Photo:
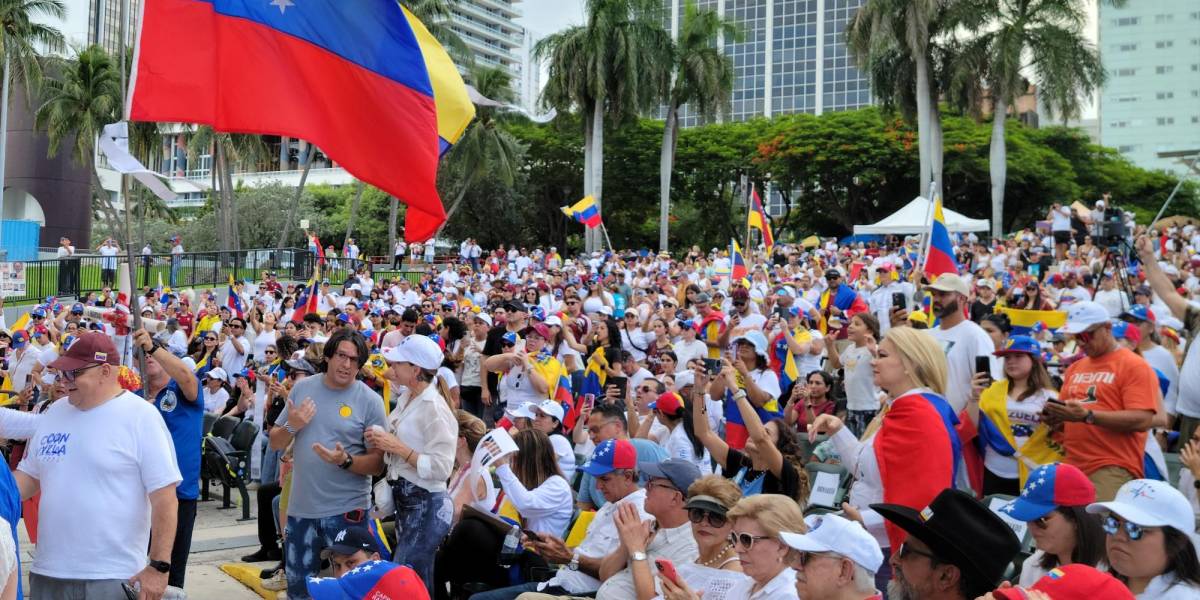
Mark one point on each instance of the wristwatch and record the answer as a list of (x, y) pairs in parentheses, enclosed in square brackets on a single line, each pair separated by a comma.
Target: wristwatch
[(1090, 419), (346, 464), (574, 564), (638, 556), (161, 566)]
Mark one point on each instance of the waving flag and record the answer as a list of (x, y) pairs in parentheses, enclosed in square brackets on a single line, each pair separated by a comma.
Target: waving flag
[(233, 301), (940, 258), (1024, 322), (739, 273), (736, 433), (364, 81), (307, 301), (584, 211), (757, 219)]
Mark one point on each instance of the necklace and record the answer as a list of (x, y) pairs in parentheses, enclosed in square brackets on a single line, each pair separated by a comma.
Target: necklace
[(716, 559)]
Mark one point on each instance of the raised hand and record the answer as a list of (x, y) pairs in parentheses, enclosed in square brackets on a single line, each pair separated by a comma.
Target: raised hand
[(299, 417)]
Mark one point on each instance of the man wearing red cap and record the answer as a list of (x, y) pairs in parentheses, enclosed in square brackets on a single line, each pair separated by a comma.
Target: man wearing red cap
[(115, 445)]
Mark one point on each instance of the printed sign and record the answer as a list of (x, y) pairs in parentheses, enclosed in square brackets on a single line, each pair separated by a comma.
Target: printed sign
[(494, 446), (12, 279), (825, 489)]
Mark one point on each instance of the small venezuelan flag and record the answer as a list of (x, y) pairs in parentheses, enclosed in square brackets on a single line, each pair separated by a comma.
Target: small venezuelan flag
[(584, 211)]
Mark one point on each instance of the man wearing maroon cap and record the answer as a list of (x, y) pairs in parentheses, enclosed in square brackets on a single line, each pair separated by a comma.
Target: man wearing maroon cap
[(115, 446)]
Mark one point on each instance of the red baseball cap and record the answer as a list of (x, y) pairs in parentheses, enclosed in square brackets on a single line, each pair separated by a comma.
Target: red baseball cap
[(670, 403), (92, 348), (1081, 582)]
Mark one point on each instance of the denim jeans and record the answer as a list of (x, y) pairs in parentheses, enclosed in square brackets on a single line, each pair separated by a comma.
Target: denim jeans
[(422, 522), (306, 538), (269, 471), (511, 593)]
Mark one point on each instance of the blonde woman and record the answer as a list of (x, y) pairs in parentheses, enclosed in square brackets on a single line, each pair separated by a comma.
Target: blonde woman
[(910, 451), (709, 500)]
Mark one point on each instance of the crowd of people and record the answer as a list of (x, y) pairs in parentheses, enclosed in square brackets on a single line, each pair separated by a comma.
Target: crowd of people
[(832, 424)]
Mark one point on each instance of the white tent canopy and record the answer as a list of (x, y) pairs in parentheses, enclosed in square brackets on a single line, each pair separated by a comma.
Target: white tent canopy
[(915, 217)]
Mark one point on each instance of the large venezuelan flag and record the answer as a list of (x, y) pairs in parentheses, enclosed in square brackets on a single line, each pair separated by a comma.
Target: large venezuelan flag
[(363, 80), (940, 258)]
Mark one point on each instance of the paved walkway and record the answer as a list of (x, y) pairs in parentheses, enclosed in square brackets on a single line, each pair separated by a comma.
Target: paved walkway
[(218, 538)]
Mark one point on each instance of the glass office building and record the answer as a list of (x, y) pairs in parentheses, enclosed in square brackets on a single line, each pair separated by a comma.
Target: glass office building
[(791, 57), (1151, 103)]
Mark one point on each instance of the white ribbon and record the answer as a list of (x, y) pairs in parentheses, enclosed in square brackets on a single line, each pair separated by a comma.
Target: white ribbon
[(480, 100), (114, 144)]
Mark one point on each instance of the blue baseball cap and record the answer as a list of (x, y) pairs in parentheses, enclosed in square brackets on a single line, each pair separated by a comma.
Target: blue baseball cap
[(1049, 487), (510, 338), (680, 472), (1020, 344), (77, 308), (611, 455), (374, 579), (1141, 312), (38, 312), (343, 317)]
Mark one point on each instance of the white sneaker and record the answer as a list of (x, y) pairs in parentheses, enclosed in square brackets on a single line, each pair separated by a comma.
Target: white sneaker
[(276, 583)]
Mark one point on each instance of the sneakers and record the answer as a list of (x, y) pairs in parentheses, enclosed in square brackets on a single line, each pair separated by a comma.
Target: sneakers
[(263, 555), (269, 573), (276, 583)]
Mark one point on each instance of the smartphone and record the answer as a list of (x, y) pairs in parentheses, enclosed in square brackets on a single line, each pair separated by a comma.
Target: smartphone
[(667, 569), (898, 300), (983, 364), (712, 366), (622, 384), (130, 591), (589, 402), (1056, 401), (532, 535), (782, 312)]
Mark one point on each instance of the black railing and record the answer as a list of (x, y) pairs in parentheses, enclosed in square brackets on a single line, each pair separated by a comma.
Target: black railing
[(83, 274)]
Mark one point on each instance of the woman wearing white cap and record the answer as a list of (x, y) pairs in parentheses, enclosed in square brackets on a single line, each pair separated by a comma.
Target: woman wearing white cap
[(419, 449), (548, 419), (215, 394), (1150, 530)]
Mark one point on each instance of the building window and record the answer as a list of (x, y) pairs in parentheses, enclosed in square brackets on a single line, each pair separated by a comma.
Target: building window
[(1196, 118), (1164, 69), (1126, 47), (1164, 95), (1126, 99), (1196, 68), (1127, 149), (1164, 44), (1160, 19), (1126, 72), (1119, 124), (1165, 120), (1126, 21)]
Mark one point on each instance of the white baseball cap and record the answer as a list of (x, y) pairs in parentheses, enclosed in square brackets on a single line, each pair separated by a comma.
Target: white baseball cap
[(217, 373), (1150, 503), (524, 409), (831, 533), (486, 318), (1081, 316), (684, 379), (949, 282), (549, 408), (552, 320), (416, 349)]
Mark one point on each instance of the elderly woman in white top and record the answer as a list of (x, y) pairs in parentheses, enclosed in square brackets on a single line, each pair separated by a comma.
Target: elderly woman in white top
[(419, 452)]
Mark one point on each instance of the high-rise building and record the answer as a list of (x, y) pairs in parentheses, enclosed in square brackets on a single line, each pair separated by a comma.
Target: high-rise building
[(104, 20), (791, 58), (531, 80), (1151, 103), (490, 30)]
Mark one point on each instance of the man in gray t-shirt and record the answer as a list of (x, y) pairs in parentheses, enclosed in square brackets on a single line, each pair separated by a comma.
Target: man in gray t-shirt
[(327, 415)]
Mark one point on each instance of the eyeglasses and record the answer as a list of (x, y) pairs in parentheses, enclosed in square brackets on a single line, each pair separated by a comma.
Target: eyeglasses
[(697, 516), (646, 389), (346, 357), (665, 486), (1112, 525), (572, 302), (906, 551), (806, 557), (745, 540), (70, 376)]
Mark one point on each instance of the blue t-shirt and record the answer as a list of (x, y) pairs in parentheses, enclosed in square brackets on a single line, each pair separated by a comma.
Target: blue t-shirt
[(647, 451), (10, 509), (185, 421)]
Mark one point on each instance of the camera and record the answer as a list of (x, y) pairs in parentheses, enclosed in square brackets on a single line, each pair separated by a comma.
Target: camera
[(1111, 230)]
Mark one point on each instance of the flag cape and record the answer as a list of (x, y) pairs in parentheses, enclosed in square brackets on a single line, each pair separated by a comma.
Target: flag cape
[(783, 362), (916, 462), (996, 431), (1024, 322), (559, 383), (735, 428), (306, 302), (594, 375), (584, 211), (846, 300), (757, 219), (940, 258), (738, 273), (710, 331), (365, 83), (233, 301)]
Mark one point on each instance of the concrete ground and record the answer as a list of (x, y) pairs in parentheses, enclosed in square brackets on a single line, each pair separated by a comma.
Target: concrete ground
[(218, 538)]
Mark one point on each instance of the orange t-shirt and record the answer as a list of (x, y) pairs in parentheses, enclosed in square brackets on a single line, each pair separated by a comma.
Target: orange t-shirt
[(1119, 380)]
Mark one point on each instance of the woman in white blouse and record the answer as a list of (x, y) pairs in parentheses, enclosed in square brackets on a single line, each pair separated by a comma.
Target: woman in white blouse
[(419, 449), (533, 483)]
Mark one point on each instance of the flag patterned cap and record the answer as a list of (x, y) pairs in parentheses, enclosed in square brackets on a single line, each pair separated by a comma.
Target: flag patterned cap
[(377, 580), (1081, 582), (611, 455), (1049, 487)]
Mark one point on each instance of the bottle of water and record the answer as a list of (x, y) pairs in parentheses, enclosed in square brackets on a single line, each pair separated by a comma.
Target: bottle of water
[(511, 549)]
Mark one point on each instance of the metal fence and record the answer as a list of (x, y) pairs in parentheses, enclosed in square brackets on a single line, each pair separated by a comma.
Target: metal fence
[(83, 274)]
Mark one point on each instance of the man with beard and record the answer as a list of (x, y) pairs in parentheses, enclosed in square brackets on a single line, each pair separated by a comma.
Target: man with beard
[(955, 549), (961, 339)]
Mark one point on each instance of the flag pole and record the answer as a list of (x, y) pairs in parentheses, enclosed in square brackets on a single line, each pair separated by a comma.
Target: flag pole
[(605, 230), (135, 313), (747, 190), (924, 245)]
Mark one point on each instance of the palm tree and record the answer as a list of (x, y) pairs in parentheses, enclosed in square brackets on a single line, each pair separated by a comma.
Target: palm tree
[(435, 16), (899, 33), (703, 79), (23, 39), (617, 66), (228, 150), (486, 150), (75, 106), (1012, 39), (354, 204)]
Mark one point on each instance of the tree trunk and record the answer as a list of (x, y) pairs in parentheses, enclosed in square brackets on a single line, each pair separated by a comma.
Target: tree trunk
[(393, 213), (218, 195), (665, 166), (230, 204), (936, 149), (924, 142), (587, 175), (291, 215), (598, 168), (998, 166), (358, 192), (458, 198)]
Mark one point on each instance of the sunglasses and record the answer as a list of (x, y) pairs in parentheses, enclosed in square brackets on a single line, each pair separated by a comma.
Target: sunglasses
[(646, 389), (269, 352), (70, 376), (907, 551), (806, 557), (744, 540), (698, 515), (1112, 525)]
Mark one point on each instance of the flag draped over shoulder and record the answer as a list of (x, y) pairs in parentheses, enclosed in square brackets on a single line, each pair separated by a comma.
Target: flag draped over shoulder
[(594, 375), (585, 211), (306, 302), (996, 430), (736, 433), (757, 219), (845, 299), (234, 301), (940, 258), (363, 81)]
